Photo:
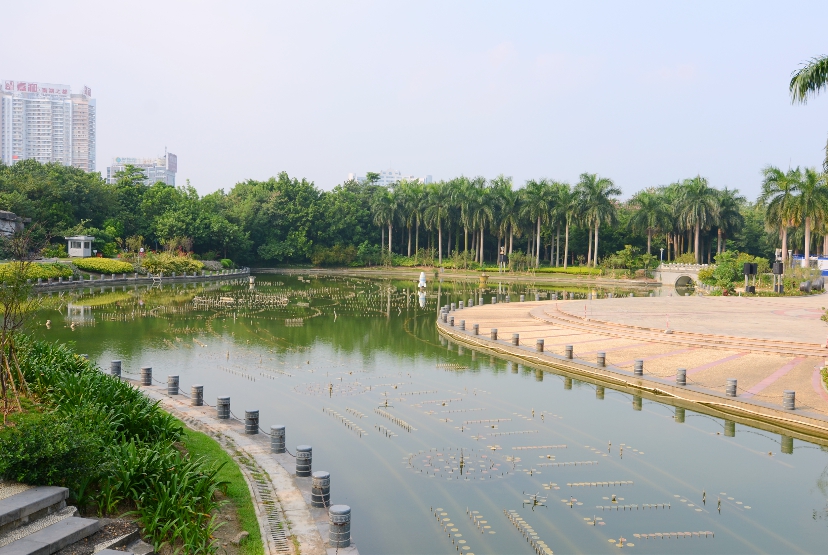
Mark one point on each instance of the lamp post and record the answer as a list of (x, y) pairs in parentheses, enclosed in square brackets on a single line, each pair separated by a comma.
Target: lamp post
[(661, 258)]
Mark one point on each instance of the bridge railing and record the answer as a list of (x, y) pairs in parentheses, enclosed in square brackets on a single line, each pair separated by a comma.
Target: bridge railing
[(675, 267)]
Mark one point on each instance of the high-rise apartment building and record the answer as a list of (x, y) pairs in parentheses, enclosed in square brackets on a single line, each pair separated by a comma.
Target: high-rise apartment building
[(161, 169), (47, 123)]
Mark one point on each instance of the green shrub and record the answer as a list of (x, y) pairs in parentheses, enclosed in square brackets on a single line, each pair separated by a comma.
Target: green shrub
[(166, 263), (51, 450), (226, 263), (686, 258), (333, 256), (103, 265), (571, 270), (54, 251), (36, 270)]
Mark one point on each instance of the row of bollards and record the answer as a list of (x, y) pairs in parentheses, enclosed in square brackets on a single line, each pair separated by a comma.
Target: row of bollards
[(339, 515)]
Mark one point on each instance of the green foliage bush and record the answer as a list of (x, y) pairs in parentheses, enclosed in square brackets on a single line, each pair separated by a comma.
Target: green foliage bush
[(110, 445), (571, 270), (226, 263), (36, 270), (334, 256), (54, 251), (103, 265), (168, 263), (686, 258), (49, 449)]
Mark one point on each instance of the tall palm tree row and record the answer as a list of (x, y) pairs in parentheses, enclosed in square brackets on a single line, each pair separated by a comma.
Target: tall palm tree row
[(688, 218)]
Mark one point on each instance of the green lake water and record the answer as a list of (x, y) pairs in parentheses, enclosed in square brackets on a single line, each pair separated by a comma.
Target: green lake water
[(434, 427)]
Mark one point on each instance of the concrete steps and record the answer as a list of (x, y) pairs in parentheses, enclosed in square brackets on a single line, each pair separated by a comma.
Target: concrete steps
[(36, 520)]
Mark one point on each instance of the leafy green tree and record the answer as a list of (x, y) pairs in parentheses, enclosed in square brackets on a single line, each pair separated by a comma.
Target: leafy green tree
[(810, 204), (596, 198), (778, 198), (807, 81), (697, 208), (651, 214)]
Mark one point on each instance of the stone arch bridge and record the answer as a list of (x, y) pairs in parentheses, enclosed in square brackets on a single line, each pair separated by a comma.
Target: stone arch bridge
[(678, 275)]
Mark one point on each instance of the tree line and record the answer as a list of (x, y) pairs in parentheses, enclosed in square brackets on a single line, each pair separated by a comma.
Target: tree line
[(288, 220)]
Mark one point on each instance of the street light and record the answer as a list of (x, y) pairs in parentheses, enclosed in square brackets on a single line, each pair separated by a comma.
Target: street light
[(662, 255)]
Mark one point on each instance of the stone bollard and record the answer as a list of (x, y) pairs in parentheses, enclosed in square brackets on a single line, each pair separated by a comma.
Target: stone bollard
[(60, 279), (508, 299), (539, 345), (730, 388), (277, 438), (522, 298), (537, 297), (445, 317), (554, 296), (304, 461), (113, 276), (789, 399), (146, 375), (589, 296), (680, 413), (460, 305), (172, 385), (320, 489), (115, 368), (681, 376), (197, 395), (462, 325), (568, 352), (475, 329), (339, 534), (470, 303), (480, 301), (516, 339), (494, 300), (493, 333), (223, 408), (599, 392), (636, 402), (251, 422), (453, 307), (639, 367), (451, 321), (572, 296), (40, 281), (601, 359)]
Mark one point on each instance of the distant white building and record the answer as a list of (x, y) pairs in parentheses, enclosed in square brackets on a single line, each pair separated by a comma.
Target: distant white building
[(161, 169), (389, 177)]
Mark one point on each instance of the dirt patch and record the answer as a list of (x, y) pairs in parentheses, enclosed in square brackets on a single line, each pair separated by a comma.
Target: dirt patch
[(112, 529)]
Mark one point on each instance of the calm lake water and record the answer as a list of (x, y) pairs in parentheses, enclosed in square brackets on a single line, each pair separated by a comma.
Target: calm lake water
[(461, 431)]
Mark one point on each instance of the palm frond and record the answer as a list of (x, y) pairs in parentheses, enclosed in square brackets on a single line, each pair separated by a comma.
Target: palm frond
[(811, 78)]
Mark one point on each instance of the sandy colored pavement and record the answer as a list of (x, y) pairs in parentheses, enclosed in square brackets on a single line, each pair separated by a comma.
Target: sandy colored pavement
[(768, 344)]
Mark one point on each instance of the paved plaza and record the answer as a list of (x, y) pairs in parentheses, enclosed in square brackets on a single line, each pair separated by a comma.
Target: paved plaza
[(768, 344)]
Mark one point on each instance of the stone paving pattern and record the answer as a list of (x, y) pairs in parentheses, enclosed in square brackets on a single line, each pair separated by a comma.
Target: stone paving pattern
[(709, 362)]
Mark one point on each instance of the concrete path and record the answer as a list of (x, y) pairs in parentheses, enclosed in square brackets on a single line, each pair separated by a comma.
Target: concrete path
[(768, 344)]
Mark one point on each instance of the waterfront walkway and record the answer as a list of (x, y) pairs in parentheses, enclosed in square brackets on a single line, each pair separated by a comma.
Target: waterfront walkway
[(768, 344)]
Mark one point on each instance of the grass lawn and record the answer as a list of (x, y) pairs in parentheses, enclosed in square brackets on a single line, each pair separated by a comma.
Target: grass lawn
[(202, 445)]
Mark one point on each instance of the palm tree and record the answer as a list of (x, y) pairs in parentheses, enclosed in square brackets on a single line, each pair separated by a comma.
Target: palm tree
[(538, 204), (697, 208), (436, 211), (509, 207), (809, 80), (409, 203), (384, 207), (811, 204), (595, 197), (651, 214), (568, 201), (778, 193), (500, 194), (482, 210), (729, 216)]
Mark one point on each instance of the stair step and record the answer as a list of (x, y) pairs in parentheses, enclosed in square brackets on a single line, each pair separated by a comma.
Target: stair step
[(29, 504), (53, 538), (113, 552), (36, 525)]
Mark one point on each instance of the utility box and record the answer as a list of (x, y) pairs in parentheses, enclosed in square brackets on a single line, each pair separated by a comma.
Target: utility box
[(80, 246)]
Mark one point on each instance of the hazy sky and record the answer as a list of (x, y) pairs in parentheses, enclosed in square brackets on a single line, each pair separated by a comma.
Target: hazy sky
[(643, 92)]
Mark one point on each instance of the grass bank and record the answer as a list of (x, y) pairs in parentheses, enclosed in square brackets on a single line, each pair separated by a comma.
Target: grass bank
[(201, 445)]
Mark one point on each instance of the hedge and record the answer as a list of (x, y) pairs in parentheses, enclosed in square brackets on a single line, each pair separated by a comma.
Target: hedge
[(36, 270), (103, 265), (169, 263), (572, 270)]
